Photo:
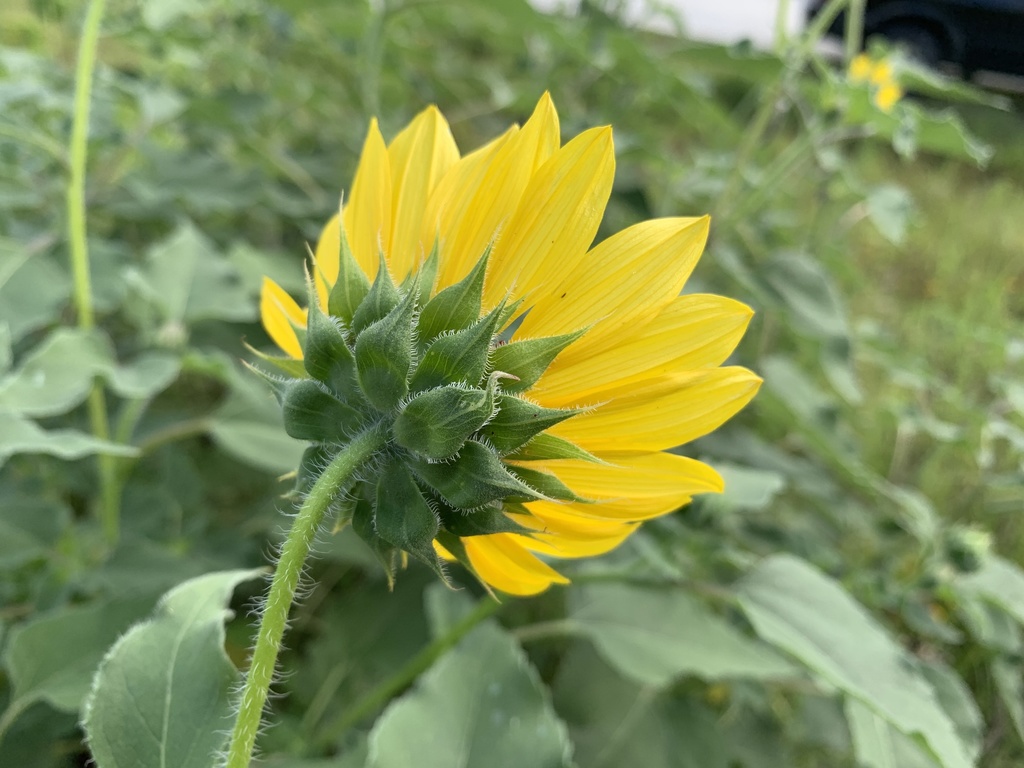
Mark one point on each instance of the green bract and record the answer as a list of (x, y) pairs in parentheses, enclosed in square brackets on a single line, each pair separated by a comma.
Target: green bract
[(439, 383)]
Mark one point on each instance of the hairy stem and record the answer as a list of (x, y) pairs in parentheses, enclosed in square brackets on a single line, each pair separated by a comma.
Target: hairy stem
[(285, 581), (109, 503)]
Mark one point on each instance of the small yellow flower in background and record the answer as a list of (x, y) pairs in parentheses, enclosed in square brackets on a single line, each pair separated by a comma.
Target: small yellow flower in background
[(881, 77), (887, 96), (593, 365), (861, 68)]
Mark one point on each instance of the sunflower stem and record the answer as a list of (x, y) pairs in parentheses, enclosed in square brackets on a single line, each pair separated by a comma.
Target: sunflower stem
[(282, 590), (416, 666), (109, 504)]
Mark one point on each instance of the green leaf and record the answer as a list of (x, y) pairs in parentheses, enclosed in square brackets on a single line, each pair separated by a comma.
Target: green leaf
[(191, 281), (32, 288), (58, 374), (803, 612), (29, 528), (891, 209), (808, 294), (51, 658), (615, 721), (655, 636), (19, 435), (999, 581), (481, 706), (876, 744), (250, 426), (544, 447), (162, 694)]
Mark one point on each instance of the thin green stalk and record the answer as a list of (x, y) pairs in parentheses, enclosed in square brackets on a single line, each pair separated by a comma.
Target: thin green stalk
[(854, 32), (416, 666), (796, 59), (335, 477), (781, 24), (109, 512)]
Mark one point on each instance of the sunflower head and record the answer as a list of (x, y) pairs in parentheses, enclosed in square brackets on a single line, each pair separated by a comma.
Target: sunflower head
[(524, 385)]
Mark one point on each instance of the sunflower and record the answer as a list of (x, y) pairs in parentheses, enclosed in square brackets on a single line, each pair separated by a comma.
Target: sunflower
[(575, 367)]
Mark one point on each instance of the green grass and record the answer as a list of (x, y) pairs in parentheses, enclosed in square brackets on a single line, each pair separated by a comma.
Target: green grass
[(948, 301)]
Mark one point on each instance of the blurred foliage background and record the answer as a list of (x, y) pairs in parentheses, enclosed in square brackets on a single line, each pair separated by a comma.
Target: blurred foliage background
[(842, 603)]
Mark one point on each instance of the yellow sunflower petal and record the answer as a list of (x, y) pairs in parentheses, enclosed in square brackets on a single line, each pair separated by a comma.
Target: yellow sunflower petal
[(623, 282), (442, 552), (280, 314), (419, 157), (447, 202), (557, 217), (503, 563), (326, 258), (367, 214), (632, 485), (694, 331), (644, 421), (562, 535), (480, 211)]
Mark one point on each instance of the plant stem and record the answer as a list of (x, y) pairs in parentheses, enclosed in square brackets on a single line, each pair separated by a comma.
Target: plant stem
[(416, 666), (781, 26), (109, 511), (795, 60), (282, 590), (854, 32)]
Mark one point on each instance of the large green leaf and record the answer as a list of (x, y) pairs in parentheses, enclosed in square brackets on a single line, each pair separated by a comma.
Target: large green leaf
[(161, 697), (876, 744), (58, 374), (250, 426), (615, 721), (51, 658), (32, 288), (19, 435), (805, 613), (657, 635), (481, 706), (29, 528), (998, 581), (190, 280)]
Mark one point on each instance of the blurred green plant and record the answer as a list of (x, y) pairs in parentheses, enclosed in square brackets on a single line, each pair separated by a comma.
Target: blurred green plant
[(837, 605)]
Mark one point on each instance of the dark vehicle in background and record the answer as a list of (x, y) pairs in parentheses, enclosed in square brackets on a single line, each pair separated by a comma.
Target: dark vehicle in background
[(974, 34)]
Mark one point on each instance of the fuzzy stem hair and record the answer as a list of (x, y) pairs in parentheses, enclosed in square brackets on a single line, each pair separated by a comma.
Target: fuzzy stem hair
[(334, 479)]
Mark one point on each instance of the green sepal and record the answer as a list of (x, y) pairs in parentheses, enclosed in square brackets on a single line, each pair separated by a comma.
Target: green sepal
[(518, 421), (474, 478), (351, 287), (428, 272), (457, 357), (380, 300), (314, 459), (327, 356), (435, 424), (313, 413), (545, 483), (289, 365), (479, 522), (545, 447), (278, 384), (363, 525), (458, 305), (403, 518), (528, 359), (384, 355)]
